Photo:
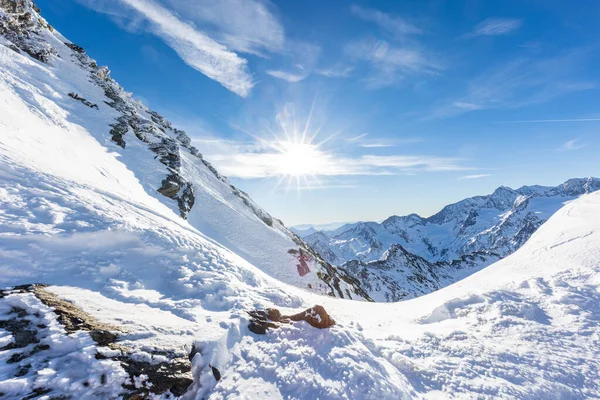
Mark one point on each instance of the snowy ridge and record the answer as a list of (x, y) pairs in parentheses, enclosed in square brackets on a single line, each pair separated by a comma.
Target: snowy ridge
[(408, 256), (63, 87)]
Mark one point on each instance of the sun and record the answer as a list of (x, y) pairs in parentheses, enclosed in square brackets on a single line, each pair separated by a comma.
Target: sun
[(298, 159), (290, 151)]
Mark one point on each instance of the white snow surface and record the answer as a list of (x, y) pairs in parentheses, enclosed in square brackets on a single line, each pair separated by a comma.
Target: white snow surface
[(74, 215)]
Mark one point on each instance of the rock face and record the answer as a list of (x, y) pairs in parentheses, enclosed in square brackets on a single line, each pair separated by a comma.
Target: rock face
[(164, 159), (261, 321), (172, 376), (315, 316), (409, 256)]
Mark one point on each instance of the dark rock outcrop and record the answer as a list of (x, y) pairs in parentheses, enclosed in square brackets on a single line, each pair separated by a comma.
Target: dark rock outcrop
[(262, 320), (173, 375), (84, 101)]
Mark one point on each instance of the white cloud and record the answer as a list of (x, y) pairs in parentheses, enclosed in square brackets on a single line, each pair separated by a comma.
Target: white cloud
[(300, 59), (413, 163), (573, 144), (337, 71), (391, 63), (247, 26), (358, 137), (315, 185), (467, 106), (518, 83), (376, 144), (540, 121), (287, 76), (249, 161), (387, 22), (473, 176), (364, 142), (496, 26), (196, 48), (395, 59)]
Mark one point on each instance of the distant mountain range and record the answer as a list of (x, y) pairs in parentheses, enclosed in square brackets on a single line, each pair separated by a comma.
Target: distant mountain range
[(406, 256), (303, 230)]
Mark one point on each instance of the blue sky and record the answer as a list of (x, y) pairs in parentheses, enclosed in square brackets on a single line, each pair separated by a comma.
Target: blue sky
[(410, 104)]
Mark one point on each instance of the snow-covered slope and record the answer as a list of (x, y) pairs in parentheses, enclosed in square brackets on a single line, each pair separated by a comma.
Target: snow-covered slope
[(409, 256), (60, 109), (526, 327), (135, 290)]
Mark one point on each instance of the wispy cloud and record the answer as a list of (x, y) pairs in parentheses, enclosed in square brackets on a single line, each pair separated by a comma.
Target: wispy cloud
[(479, 176), (403, 163), (248, 161), (520, 82), (376, 145), (247, 26), (365, 141), (241, 25), (542, 121), (392, 24), (396, 58), (287, 76), (316, 186), (336, 71), (391, 63), (358, 137), (495, 27), (573, 144), (299, 60)]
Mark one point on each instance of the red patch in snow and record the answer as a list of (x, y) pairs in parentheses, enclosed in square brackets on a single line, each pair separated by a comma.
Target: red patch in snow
[(302, 265)]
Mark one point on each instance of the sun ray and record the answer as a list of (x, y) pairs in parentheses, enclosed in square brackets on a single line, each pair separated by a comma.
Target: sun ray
[(283, 127), (289, 183), (308, 119), (279, 181), (294, 124), (315, 134), (328, 138), (295, 157)]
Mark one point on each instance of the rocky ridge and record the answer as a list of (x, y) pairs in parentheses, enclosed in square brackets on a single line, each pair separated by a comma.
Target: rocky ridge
[(23, 30), (408, 256)]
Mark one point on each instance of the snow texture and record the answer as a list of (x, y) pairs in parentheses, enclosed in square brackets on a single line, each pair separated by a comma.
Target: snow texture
[(78, 212)]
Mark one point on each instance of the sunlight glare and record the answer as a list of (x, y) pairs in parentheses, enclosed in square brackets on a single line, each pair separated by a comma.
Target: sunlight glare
[(299, 159)]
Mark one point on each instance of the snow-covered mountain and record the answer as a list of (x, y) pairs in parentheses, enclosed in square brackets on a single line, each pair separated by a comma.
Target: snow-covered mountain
[(141, 303), (409, 256), (51, 82)]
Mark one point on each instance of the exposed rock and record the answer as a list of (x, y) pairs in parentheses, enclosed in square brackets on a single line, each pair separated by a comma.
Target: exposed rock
[(119, 129), (21, 25), (315, 316), (75, 47), (259, 323), (261, 320), (216, 373), (84, 101), (172, 376), (23, 335)]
